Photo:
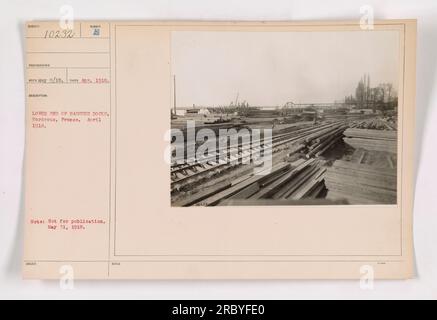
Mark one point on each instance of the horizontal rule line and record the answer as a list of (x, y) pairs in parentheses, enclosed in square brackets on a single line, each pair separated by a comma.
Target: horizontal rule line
[(131, 261), (67, 67), (43, 83), (257, 255), (59, 38), (74, 52)]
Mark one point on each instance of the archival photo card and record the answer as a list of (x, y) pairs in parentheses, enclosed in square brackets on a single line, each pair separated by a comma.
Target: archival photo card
[(219, 150)]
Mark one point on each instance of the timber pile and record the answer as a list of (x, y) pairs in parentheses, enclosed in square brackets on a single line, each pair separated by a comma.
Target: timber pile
[(315, 141), (377, 140), (320, 142), (312, 141), (360, 183), (375, 123), (300, 179)]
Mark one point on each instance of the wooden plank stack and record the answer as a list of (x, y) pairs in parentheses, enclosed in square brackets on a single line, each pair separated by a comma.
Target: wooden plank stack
[(237, 188), (375, 123), (316, 142), (377, 140), (302, 179), (361, 183)]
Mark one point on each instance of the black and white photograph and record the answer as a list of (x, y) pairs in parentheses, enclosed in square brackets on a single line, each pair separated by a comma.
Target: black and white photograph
[(284, 118)]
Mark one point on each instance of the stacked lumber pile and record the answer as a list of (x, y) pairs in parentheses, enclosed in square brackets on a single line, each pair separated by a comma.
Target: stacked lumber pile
[(320, 142), (375, 123), (248, 182), (310, 141), (301, 179), (361, 183), (377, 140), (315, 141), (304, 179)]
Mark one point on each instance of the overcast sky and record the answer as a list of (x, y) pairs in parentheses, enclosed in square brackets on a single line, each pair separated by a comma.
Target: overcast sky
[(271, 68)]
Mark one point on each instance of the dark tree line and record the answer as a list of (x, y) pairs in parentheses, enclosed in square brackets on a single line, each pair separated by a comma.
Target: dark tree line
[(381, 97)]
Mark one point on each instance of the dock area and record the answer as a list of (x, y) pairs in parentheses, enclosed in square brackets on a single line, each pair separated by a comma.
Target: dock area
[(343, 159)]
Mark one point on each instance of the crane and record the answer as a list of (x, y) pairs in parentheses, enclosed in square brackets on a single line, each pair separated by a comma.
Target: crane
[(236, 99)]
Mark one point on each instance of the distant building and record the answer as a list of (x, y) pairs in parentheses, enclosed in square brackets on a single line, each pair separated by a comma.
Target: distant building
[(362, 111), (192, 111)]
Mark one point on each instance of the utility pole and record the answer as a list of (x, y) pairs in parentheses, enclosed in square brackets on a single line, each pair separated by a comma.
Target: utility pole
[(174, 94)]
